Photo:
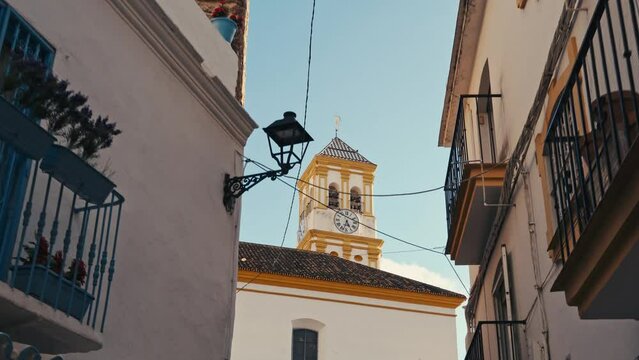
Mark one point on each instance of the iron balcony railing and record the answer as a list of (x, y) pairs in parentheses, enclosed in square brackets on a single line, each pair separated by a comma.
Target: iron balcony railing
[(474, 129), (594, 123), (57, 243), (497, 340), (58, 230)]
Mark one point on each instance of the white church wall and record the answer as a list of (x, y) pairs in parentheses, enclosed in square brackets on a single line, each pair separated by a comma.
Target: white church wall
[(352, 327)]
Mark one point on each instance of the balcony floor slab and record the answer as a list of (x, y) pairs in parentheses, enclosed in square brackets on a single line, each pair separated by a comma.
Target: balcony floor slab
[(29, 321), (600, 275)]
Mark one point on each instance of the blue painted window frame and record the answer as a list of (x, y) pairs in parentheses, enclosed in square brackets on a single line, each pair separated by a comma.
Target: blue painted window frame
[(15, 32)]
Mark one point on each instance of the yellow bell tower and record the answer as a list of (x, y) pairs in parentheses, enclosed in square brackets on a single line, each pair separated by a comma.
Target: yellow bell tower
[(344, 224)]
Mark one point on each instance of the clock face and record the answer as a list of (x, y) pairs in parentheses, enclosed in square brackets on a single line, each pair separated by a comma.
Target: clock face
[(346, 221)]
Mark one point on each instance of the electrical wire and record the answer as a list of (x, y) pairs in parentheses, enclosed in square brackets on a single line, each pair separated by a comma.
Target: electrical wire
[(370, 195), (412, 193), (410, 251), (308, 68), (308, 85), (266, 168), (297, 178)]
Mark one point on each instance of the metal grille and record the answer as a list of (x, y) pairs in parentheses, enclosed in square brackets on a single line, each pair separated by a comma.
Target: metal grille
[(16, 36), (57, 244), (594, 122), (474, 128), (496, 340)]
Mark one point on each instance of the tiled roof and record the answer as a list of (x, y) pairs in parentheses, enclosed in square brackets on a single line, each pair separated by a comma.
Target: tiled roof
[(337, 148), (312, 265)]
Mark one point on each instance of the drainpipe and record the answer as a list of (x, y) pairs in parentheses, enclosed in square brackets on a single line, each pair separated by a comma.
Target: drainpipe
[(534, 253)]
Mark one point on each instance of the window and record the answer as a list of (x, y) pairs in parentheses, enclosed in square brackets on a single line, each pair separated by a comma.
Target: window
[(486, 119), (356, 200), (304, 344), (333, 197), (20, 38), (506, 334)]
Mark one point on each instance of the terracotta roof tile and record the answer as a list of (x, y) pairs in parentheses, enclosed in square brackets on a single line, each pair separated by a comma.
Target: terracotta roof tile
[(312, 265)]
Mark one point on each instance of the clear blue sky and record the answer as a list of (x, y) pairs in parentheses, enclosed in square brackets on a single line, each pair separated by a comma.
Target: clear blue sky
[(382, 66)]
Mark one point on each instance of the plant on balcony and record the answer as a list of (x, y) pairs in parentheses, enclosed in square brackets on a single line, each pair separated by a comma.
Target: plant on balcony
[(42, 276), (226, 20), (80, 272), (55, 262), (69, 119), (43, 252), (30, 86)]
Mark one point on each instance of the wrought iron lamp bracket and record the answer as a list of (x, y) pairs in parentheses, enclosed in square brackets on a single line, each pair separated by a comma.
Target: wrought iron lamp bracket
[(234, 187)]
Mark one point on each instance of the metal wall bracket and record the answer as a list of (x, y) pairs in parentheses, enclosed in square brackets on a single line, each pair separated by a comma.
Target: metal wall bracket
[(234, 187)]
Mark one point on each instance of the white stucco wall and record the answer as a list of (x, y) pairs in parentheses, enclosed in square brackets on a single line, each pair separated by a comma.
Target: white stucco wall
[(516, 43), (219, 58), (264, 325), (173, 291)]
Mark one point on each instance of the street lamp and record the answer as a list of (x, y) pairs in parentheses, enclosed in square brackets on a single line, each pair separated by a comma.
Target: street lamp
[(285, 136)]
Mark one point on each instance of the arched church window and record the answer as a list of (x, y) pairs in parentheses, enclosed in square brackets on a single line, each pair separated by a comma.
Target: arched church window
[(333, 197), (356, 200), (304, 344)]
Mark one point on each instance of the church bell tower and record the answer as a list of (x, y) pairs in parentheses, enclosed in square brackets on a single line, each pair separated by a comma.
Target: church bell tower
[(340, 178)]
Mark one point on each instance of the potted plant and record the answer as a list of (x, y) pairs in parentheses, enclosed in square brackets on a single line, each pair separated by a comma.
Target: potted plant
[(16, 128), (68, 119), (225, 21), (42, 276)]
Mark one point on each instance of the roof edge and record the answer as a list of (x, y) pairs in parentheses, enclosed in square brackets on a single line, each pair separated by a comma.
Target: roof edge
[(357, 165), (469, 15), (336, 287)]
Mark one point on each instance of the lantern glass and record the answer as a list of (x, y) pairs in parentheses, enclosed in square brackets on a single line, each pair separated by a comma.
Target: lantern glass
[(287, 131)]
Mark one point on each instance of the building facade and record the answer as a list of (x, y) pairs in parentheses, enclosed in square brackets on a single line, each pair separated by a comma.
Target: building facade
[(540, 114), (170, 81), (327, 299)]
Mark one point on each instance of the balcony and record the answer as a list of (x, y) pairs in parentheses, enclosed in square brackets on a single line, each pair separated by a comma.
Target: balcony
[(11, 352), (58, 236), (474, 179), (593, 156), (497, 340)]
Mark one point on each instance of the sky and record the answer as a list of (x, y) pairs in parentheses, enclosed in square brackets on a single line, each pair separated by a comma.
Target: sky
[(382, 67)]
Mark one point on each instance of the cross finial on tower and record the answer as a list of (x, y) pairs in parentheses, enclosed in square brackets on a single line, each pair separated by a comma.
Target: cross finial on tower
[(338, 122)]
